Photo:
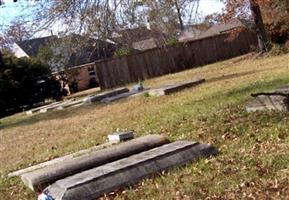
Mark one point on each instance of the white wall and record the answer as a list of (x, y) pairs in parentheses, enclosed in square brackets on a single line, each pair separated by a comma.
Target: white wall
[(18, 52)]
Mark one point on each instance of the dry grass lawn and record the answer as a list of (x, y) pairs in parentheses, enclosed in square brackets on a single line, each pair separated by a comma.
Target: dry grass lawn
[(254, 159)]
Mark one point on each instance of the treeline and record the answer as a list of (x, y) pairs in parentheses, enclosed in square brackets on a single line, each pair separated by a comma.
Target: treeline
[(25, 82)]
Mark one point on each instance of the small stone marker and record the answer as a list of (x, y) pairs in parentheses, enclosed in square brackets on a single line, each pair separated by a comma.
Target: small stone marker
[(175, 88), (137, 88), (93, 183), (120, 136), (101, 96), (50, 174)]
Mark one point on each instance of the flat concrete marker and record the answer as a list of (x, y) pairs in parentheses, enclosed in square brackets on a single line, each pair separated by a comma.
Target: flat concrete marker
[(70, 104), (34, 110), (124, 95), (50, 174), (101, 96), (58, 160), (263, 102), (274, 100), (175, 88), (93, 183)]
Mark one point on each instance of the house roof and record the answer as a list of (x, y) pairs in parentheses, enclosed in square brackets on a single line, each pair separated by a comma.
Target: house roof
[(223, 28), (145, 44), (200, 27), (89, 50), (193, 31), (79, 49), (32, 46), (129, 36)]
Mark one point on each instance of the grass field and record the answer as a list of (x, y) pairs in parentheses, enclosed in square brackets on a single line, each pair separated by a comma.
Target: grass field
[(254, 158)]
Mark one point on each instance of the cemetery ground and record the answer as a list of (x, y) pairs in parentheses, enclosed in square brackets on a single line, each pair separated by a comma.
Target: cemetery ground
[(254, 147)]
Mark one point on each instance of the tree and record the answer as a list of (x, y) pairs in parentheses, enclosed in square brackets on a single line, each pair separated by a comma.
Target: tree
[(263, 41), (240, 8), (16, 32), (179, 14), (104, 16), (170, 15), (1, 61), (24, 82), (276, 20)]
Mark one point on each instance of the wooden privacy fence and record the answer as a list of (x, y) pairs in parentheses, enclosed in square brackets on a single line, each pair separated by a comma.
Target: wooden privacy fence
[(159, 61)]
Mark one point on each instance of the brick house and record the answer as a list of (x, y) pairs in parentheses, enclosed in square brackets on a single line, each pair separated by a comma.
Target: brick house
[(73, 55)]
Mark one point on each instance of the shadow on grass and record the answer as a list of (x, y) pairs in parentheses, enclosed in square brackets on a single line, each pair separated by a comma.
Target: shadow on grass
[(29, 120), (258, 86), (236, 75)]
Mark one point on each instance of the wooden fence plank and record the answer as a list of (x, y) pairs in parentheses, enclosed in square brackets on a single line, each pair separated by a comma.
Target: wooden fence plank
[(160, 61)]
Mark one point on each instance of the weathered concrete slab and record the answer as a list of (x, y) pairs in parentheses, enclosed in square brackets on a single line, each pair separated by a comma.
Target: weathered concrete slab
[(94, 183), (50, 174), (70, 104), (175, 88), (35, 110), (120, 136), (274, 100), (124, 95), (263, 102), (101, 96), (61, 105), (59, 160)]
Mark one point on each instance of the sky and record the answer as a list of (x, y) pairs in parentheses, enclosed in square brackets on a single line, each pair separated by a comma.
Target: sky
[(10, 11), (210, 6)]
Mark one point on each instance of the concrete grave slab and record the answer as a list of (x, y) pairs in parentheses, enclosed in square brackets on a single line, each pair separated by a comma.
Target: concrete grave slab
[(58, 160), (175, 88), (101, 96), (93, 183), (120, 136), (50, 174), (275, 100), (62, 105), (35, 110), (263, 102), (70, 104), (124, 95)]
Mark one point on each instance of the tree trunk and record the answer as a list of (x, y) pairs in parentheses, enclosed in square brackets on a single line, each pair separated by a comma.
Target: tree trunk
[(179, 15), (263, 41), (1, 60)]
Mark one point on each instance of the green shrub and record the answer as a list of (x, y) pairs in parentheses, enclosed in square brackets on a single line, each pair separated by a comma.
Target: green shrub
[(172, 41), (278, 49), (24, 82), (123, 51)]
